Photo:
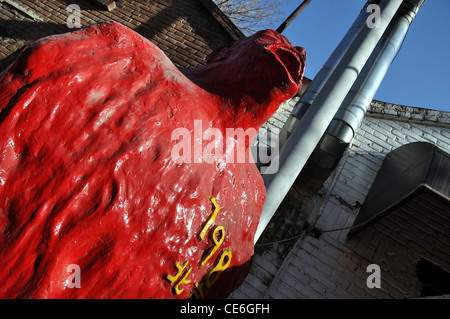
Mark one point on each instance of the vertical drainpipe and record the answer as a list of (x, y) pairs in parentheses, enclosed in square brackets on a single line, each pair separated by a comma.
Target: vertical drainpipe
[(323, 75), (343, 127), (352, 111), (307, 134)]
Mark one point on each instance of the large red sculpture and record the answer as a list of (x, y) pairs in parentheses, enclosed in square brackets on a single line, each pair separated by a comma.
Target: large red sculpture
[(92, 202)]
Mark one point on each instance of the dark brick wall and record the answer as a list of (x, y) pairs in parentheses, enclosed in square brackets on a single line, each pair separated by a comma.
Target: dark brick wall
[(186, 30)]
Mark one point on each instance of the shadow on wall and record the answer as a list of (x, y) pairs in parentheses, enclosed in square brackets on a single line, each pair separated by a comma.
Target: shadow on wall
[(434, 279), (223, 286)]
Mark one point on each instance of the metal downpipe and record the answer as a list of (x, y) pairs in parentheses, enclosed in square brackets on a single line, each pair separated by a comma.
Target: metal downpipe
[(306, 136), (352, 111), (323, 75), (343, 127)]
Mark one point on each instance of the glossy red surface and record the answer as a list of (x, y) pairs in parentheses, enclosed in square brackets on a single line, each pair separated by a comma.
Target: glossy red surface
[(86, 174)]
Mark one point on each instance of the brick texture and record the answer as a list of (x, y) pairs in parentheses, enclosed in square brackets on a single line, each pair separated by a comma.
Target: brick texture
[(186, 30)]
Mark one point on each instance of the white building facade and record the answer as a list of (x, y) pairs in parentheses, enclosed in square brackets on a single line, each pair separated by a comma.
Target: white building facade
[(305, 251)]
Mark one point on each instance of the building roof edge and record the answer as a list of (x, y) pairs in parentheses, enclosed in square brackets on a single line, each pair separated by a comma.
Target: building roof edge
[(223, 19), (408, 113)]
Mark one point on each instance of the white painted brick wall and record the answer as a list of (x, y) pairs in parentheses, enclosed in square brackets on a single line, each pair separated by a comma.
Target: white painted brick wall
[(281, 115), (333, 266)]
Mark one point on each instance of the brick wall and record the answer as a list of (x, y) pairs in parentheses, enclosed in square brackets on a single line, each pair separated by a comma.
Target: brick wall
[(186, 30), (333, 266)]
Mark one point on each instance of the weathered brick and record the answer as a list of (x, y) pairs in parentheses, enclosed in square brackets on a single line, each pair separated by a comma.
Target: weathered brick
[(340, 280), (204, 32), (318, 288), (57, 6), (373, 138), (278, 294), (324, 269)]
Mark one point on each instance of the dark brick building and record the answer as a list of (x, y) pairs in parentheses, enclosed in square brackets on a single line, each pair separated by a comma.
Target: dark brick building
[(186, 30)]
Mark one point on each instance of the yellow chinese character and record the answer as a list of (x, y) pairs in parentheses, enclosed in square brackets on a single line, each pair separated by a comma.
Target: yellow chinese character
[(210, 220), (211, 251), (221, 263), (197, 292), (183, 280)]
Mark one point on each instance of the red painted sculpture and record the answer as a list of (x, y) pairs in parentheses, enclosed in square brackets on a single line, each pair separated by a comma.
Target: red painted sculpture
[(93, 203)]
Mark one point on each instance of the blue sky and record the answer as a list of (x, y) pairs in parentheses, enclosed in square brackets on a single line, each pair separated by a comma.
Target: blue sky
[(419, 76)]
